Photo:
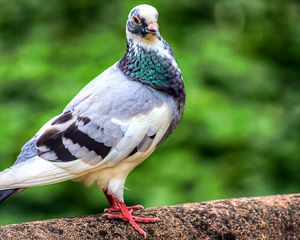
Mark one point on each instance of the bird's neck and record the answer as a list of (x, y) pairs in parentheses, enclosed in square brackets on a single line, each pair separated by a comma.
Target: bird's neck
[(153, 64)]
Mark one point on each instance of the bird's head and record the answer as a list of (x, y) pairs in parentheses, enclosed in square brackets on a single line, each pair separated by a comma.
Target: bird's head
[(142, 24)]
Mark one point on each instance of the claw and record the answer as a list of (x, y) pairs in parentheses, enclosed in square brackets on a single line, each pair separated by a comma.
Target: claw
[(115, 209), (132, 221), (109, 210), (135, 207), (119, 210), (145, 219)]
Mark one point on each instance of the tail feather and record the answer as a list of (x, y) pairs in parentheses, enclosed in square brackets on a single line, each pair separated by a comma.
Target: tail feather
[(38, 172), (5, 194)]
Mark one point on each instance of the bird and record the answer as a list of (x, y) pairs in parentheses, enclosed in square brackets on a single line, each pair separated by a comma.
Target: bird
[(112, 125)]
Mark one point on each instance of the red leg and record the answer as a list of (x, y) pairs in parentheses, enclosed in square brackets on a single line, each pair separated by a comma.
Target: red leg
[(114, 208), (125, 213), (112, 204)]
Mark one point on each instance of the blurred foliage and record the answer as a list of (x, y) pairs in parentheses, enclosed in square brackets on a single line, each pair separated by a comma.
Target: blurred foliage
[(240, 135)]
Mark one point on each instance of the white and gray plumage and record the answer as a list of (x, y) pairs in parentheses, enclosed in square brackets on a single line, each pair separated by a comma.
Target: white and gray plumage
[(112, 125)]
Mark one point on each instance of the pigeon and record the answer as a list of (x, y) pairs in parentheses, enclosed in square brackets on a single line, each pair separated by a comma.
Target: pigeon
[(112, 125)]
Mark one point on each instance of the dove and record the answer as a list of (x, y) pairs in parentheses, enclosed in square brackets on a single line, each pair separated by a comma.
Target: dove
[(112, 125)]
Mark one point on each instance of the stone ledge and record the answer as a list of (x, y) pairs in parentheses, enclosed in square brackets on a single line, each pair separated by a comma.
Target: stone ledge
[(272, 217)]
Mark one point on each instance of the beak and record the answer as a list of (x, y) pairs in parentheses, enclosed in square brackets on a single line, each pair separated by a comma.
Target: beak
[(152, 27)]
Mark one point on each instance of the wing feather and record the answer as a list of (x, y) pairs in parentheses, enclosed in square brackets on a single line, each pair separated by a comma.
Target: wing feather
[(108, 121)]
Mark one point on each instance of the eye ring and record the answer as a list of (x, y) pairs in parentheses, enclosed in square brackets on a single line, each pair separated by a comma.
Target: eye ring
[(136, 20)]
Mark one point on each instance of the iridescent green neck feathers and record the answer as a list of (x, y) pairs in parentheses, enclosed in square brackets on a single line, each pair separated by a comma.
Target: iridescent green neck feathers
[(155, 67)]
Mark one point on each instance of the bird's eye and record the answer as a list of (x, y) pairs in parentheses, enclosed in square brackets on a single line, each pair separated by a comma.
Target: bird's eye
[(136, 20)]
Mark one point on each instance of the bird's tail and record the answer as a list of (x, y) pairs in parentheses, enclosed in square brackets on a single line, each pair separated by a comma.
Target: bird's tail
[(5, 194), (38, 172)]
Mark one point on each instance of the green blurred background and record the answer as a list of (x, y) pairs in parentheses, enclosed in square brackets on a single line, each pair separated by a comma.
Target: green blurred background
[(240, 135)]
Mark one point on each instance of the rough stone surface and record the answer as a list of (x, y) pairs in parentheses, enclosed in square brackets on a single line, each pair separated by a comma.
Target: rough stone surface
[(274, 217)]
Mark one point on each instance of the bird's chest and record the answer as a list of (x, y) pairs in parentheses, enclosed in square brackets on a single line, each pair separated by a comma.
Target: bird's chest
[(144, 132)]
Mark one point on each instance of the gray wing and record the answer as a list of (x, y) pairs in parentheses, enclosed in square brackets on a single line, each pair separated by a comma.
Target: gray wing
[(101, 124)]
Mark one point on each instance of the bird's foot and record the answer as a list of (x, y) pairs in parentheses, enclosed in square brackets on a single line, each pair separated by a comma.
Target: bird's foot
[(125, 214), (135, 218), (116, 209)]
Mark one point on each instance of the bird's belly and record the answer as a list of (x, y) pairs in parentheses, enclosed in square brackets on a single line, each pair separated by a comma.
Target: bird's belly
[(118, 171)]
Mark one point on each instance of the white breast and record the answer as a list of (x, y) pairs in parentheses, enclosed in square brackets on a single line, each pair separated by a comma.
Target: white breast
[(116, 166)]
